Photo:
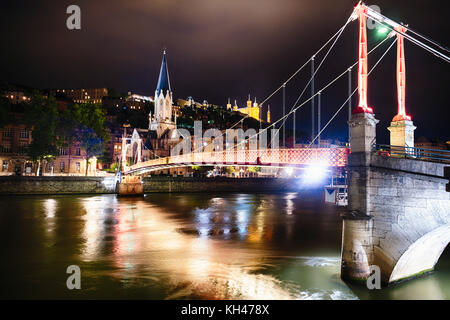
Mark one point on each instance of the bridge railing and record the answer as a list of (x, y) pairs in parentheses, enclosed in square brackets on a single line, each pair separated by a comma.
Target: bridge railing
[(336, 157), (412, 152)]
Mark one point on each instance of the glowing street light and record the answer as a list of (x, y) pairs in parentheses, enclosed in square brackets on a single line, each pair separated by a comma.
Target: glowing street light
[(382, 30)]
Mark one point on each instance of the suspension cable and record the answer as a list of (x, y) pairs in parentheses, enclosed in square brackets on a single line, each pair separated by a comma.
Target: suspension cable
[(345, 102), (373, 49), (310, 98), (154, 153), (437, 44), (294, 109), (415, 41), (338, 33), (320, 64)]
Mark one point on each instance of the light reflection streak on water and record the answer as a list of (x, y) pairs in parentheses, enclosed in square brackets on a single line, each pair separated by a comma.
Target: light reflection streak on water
[(209, 267), (98, 219), (50, 207), (289, 203)]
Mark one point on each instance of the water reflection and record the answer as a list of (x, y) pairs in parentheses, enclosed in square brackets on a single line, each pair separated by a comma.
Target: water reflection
[(50, 208), (190, 248), (174, 246)]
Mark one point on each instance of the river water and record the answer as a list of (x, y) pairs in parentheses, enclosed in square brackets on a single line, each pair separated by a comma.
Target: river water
[(179, 246)]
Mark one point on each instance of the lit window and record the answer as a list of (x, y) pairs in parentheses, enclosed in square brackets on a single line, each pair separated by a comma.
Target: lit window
[(24, 134), (22, 148), (6, 148), (62, 166), (7, 132)]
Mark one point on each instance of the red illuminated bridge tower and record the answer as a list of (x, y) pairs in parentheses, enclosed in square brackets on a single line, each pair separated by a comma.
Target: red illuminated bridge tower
[(362, 122), (402, 128)]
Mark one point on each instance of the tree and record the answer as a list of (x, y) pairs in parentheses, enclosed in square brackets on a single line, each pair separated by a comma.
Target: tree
[(42, 118), (254, 169), (230, 170), (87, 122), (113, 168), (114, 93), (136, 118), (201, 171), (106, 157)]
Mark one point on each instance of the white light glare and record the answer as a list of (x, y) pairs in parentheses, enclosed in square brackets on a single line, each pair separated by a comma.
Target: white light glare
[(315, 173), (289, 171)]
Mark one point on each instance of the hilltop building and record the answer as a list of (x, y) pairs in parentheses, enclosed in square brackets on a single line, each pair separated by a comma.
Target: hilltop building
[(253, 110), (92, 95), (17, 97), (131, 102)]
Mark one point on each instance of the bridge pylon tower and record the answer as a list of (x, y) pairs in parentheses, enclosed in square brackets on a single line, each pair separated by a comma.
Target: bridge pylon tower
[(402, 127)]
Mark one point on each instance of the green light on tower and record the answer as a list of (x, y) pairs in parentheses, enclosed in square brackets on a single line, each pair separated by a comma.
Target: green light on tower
[(382, 30)]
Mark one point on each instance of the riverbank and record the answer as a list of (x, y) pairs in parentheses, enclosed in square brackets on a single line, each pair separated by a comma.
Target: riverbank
[(13, 185)]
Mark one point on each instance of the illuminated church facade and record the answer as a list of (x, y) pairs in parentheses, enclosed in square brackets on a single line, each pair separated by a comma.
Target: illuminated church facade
[(163, 119), (253, 110)]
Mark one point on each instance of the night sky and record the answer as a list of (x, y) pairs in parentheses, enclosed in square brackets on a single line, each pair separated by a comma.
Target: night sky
[(227, 48)]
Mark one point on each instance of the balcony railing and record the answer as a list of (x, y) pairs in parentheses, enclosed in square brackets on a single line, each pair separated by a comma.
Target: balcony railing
[(437, 155)]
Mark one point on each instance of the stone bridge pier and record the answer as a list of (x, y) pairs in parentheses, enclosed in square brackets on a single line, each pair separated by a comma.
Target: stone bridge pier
[(398, 214)]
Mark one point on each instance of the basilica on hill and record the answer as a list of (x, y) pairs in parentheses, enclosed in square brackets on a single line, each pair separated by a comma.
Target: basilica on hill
[(252, 110)]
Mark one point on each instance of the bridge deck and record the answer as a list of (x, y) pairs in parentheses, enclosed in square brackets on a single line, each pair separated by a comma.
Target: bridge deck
[(332, 157)]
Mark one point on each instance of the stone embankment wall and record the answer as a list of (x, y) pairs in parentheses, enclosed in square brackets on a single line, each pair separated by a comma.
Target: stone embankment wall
[(12, 185), (157, 184), (53, 185)]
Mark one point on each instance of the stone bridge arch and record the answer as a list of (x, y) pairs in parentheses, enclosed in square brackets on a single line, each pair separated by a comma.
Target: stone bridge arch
[(398, 211), (398, 218), (422, 255)]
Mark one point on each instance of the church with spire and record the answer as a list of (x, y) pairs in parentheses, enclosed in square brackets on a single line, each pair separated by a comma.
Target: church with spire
[(163, 119), (157, 140)]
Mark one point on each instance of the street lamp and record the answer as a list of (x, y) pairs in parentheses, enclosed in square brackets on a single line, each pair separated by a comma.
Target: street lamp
[(382, 30)]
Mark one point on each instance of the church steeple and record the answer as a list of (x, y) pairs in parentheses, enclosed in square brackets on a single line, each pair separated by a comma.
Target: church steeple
[(162, 118), (163, 80)]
